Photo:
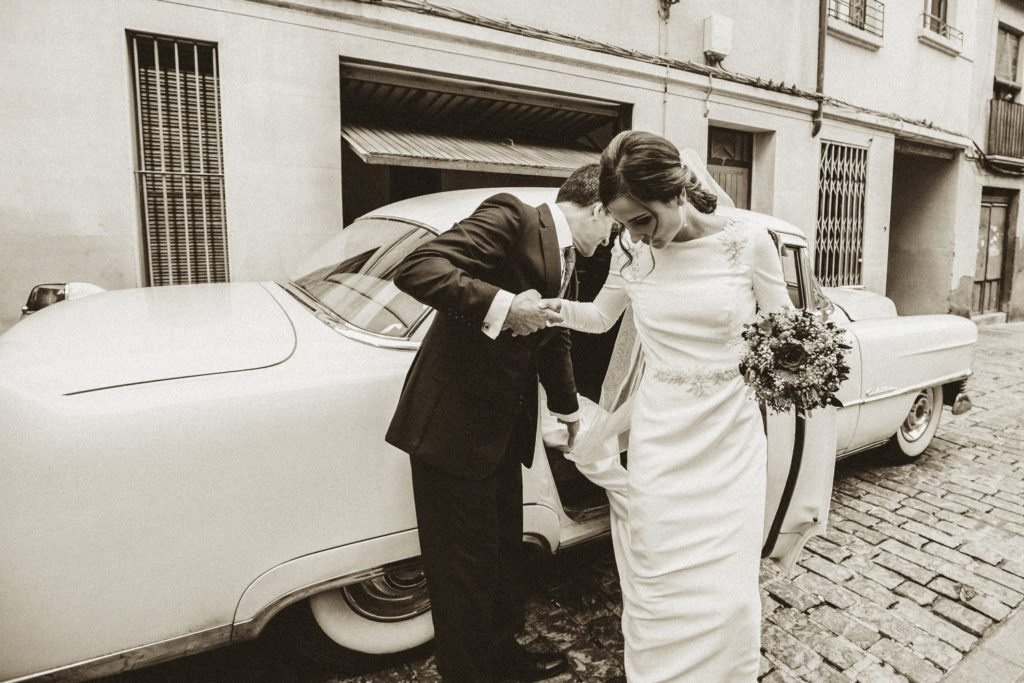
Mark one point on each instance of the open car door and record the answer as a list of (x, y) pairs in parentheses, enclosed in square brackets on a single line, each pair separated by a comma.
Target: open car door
[(801, 463)]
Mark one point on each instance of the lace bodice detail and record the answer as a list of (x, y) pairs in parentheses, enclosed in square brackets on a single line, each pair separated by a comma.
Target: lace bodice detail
[(690, 301)]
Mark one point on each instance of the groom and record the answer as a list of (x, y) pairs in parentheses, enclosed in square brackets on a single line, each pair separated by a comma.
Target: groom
[(467, 415)]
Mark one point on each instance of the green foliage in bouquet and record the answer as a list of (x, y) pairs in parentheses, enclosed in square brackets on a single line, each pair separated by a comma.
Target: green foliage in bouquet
[(794, 359)]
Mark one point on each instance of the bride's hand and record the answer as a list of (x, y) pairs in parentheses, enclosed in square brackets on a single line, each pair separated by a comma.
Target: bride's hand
[(554, 308), (573, 427), (551, 304)]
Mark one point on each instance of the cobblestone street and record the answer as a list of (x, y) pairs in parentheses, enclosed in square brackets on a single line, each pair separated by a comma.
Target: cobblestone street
[(920, 564)]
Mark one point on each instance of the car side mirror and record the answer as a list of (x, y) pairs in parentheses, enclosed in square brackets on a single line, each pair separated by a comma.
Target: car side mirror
[(42, 296)]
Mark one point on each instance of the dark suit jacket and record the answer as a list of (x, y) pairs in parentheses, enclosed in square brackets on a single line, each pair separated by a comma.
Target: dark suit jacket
[(469, 399)]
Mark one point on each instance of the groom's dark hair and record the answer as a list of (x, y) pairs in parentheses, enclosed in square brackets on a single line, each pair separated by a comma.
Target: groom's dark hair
[(581, 188)]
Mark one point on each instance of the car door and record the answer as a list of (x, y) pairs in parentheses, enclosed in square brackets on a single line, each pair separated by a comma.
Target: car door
[(801, 462), (801, 450)]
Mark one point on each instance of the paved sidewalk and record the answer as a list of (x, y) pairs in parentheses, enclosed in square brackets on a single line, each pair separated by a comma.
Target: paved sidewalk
[(998, 659), (921, 575), (923, 565), (1000, 656)]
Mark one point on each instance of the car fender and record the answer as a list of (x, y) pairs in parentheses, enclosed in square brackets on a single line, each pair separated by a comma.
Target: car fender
[(900, 356), (304, 576), (860, 304)]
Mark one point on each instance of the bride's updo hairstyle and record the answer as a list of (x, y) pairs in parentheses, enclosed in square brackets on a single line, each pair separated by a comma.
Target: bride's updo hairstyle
[(646, 167)]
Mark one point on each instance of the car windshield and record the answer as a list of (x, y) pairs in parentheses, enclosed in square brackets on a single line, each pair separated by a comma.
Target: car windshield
[(357, 286)]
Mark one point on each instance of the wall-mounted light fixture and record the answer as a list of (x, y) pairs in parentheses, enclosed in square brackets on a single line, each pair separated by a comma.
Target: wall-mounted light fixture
[(665, 6)]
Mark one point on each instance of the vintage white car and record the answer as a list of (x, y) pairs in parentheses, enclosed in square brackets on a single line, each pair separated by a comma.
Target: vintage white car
[(179, 464)]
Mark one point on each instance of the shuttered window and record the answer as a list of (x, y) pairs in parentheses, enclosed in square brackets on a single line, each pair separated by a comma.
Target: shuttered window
[(1007, 50), (839, 244), (179, 161)]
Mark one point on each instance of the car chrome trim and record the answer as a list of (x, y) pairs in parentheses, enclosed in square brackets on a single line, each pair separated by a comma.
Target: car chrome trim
[(291, 353), (417, 591), (861, 449), (251, 628), (136, 657), (890, 393), (400, 219), (347, 329)]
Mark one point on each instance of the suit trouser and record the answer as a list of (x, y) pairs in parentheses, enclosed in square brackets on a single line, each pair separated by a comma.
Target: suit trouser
[(471, 534)]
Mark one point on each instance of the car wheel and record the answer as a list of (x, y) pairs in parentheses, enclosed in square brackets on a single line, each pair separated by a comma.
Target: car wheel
[(918, 427), (382, 615)]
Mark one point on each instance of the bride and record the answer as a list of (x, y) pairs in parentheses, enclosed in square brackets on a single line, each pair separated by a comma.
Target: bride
[(688, 513)]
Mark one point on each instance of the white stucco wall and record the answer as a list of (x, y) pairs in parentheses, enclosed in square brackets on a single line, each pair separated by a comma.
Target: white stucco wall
[(904, 74), (67, 194), (68, 206)]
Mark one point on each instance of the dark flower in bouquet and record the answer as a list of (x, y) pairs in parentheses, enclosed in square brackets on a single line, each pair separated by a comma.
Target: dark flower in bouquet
[(794, 359)]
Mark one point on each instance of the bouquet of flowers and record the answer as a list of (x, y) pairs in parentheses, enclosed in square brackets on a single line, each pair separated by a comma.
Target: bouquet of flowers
[(793, 359)]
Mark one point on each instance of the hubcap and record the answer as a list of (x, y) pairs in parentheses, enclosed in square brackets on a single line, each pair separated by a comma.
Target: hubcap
[(395, 596), (918, 418)]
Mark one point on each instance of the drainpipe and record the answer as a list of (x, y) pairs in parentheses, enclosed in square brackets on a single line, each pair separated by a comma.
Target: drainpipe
[(822, 32), (663, 52)]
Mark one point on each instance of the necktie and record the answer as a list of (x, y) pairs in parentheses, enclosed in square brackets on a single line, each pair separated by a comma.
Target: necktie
[(570, 263)]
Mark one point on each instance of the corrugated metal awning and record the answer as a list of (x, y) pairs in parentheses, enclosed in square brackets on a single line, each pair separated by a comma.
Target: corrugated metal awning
[(396, 147)]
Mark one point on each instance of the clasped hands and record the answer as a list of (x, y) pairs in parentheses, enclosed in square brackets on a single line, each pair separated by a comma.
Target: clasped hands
[(529, 313)]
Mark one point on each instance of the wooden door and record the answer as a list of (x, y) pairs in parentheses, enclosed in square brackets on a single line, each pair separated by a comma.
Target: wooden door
[(989, 266), (730, 157)]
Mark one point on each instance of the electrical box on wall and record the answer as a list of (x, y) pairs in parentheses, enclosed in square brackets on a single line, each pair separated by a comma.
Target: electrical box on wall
[(717, 37)]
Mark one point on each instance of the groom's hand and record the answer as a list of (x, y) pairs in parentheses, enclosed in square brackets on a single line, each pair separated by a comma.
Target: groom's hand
[(525, 316)]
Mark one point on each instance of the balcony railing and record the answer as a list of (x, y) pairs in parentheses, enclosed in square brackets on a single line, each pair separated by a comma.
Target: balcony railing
[(938, 24), (1006, 129), (867, 15)]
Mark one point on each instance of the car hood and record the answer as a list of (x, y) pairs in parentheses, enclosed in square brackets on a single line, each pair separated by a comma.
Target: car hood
[(148, 334), (859, 304)]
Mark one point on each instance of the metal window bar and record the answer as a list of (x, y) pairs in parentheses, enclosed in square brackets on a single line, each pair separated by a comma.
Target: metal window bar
[(180, 160), (938, 24), (839, 241), (867, 15)]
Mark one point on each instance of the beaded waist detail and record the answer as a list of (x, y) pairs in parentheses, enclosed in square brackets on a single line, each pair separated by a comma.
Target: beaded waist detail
[(697, 382)]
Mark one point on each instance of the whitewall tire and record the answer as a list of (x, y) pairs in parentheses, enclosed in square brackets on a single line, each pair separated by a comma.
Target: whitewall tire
[(919, 425), (383, 615)]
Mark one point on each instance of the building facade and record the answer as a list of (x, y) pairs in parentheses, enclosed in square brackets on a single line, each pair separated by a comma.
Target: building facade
[(162, 142)]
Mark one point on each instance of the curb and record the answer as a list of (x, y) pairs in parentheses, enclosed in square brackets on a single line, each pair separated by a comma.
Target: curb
[(999, 657)]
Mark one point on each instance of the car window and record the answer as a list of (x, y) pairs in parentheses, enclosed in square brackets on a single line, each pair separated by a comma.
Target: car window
[(358, 287), (791, 260)]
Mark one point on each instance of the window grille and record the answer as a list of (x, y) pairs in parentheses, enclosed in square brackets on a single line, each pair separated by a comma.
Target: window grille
[(936, 19), (867, 15), (839, 244), (179, 162)]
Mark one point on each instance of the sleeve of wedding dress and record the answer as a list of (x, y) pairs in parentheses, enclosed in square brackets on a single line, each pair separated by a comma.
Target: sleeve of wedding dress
[(605, 425), (766, 273), (600, 314)]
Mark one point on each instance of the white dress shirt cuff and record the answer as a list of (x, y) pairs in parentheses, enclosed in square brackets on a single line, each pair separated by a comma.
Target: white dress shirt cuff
[(496, 314), (571, 417)]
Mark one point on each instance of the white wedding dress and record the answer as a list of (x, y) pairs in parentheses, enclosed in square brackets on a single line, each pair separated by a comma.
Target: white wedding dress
[(688, 513)]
